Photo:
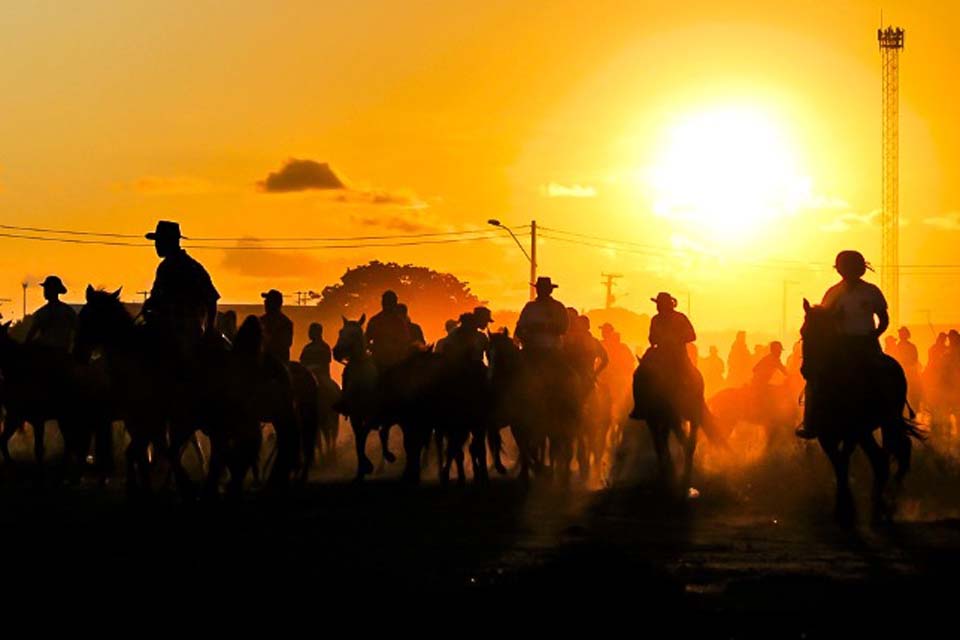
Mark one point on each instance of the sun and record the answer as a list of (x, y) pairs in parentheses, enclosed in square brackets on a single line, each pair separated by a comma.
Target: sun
[(728, 172)]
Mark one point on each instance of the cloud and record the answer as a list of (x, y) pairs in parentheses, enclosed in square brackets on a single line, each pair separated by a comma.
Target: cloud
[(403, 199), (270, 263), (301, 175), (554, 190), (404, 223), (171, 185), (850, 220), (949, 221)]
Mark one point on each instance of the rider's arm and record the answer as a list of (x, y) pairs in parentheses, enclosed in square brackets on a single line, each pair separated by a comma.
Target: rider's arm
[(884, 319), (604, 358)]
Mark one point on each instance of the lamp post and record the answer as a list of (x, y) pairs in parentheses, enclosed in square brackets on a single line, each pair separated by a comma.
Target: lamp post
[(531, 257)]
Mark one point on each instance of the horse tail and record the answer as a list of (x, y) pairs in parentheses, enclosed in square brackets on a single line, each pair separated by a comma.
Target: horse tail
[(712, 429), (912, 415)]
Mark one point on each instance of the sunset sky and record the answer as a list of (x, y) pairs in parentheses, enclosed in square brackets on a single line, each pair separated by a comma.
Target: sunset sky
[(735, 144)]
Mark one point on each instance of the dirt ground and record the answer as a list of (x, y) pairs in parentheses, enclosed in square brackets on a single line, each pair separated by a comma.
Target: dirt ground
[(758, 541)]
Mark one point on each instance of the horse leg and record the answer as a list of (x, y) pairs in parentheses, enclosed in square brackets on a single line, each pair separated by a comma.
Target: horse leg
[(11, 424), (179, 436), (689, 449), (839, 456), (583, 456), (197, 447), (880, 462), (478, 456), (360, 431), (495, 441), (385, 446)]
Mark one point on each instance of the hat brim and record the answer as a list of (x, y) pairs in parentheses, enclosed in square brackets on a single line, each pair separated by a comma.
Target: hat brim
[(537, 286), (59, 288), (153, 235)]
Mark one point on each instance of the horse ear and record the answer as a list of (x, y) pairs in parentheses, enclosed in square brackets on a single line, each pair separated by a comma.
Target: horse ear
[(116, 294), (90, 292), (345, 321), (806, 306), (363, 318)]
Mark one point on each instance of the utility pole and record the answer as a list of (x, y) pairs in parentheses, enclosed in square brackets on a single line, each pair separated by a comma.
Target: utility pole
[(890, 40), (533, 258), (144, 294), (608, 283), (25, 285)]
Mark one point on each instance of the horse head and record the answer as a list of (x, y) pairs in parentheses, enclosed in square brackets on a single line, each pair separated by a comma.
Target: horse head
[(818, 334), (102, 320), (351, 341)]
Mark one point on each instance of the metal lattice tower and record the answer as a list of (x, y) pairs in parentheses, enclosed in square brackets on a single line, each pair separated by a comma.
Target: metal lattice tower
[(891, 42)]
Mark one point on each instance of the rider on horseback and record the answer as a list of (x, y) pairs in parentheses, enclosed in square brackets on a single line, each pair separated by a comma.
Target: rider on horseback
[(183, 301), (861, 315), (543, 321), (670, 333), (55, 323), (389, 333), (277, 327)]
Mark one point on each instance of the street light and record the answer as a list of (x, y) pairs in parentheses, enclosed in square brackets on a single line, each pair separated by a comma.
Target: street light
[(531, 257)]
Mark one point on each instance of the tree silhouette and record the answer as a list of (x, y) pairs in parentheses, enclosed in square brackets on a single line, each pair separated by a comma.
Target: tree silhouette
[(431, 296)]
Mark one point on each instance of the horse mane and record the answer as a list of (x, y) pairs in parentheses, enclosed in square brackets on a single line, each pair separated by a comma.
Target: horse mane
[(110, 309)]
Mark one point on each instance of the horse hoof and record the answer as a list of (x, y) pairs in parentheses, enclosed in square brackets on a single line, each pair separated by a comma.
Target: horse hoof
[(389, 457), (366, 467), (502, 470)]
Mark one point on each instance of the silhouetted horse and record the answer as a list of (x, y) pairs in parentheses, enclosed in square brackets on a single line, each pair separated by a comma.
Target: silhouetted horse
[(359, 396), (776, 408), (43, 384), (541, 398), (667, 409), (432, 393), (163, 400), (845, 404)]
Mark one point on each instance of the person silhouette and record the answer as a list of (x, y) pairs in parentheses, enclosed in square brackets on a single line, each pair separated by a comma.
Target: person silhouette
[(316, 356), (768, 366), (183, 301), (389, 334), (670, 333), (55, 323), (586, 353), (448, 327), (890, 346), (861, 315), (277, 327), (712, 368), (543, 321), (739, 361), (416, 331)]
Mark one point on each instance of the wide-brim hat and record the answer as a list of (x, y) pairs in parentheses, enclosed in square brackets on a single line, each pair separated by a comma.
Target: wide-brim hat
[(55, 283), (663, 296), (483, 314), (273, 294), (544, 282), (166, 230)]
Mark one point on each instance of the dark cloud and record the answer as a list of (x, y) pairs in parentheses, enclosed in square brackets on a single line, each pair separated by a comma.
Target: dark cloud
[(301, 175)]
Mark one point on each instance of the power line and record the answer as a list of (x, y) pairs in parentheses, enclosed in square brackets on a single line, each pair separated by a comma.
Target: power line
[(258, 247), (102, 234)]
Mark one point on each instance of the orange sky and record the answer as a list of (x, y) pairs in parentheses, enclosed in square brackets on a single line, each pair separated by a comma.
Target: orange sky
[(440, 115)]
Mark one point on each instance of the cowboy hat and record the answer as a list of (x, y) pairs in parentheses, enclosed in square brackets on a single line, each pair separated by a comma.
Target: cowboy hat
[(663, 296), (166, 230), (544, 282), (55, 283)]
